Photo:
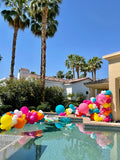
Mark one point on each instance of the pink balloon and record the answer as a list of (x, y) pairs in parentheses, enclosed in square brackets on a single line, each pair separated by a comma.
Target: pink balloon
[(24, 110), (34, 114), (83, 108), (62, 114), (87, 101), (101, 98), (32, 119)]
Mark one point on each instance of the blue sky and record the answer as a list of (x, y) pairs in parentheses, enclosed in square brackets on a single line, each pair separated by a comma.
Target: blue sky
[(86, 27)]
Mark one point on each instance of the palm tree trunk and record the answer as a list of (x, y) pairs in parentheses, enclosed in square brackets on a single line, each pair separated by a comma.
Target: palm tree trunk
[(85, 73), (94, 74), (73, 73), (43, 49), (77, 70), (13, 53)]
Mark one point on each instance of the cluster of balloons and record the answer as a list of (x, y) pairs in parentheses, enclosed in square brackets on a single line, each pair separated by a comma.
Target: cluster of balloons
[(18, 118), (98, 109)]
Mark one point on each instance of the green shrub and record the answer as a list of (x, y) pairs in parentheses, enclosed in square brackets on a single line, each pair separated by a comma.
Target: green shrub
[(5, 108), (32, 108), (55, 96), (44, 107), (75, 99), (28, 93), (20, 93)]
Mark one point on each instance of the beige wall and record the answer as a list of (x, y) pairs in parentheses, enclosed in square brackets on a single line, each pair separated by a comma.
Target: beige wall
[(114, 80), (114, 83)]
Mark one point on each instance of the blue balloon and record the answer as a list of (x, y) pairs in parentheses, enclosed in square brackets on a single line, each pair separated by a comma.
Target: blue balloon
[(60, 109), (91, 111), (94, 99), (72, 107), (83, 116), (59, 125), (108, 92), (110, 115), (96, 110)]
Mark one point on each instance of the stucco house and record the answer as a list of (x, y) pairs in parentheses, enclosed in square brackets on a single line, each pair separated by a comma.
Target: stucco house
[(70, 86)]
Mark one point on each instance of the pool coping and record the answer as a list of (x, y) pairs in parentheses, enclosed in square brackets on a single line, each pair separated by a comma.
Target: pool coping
[(93, 125)]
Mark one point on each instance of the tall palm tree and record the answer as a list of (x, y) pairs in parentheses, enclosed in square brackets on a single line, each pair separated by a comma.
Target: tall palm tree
[(70, 63), (60, 74), (95, 64), (79, 62), (90, 66), (85, 68), (17, 18), (44, 12)]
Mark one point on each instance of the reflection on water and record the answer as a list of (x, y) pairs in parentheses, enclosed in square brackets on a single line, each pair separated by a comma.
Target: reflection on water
[(67, 141)]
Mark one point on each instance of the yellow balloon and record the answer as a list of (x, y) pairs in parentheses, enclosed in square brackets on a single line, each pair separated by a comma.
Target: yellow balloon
[(67, 112), (90, 106), (107, 105), (6, 122)]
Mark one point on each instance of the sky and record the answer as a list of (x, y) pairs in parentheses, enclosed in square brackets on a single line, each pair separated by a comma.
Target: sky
[(86, 27)]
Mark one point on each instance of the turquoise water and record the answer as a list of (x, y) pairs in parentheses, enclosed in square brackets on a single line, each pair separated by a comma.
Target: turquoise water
[(66, 142)]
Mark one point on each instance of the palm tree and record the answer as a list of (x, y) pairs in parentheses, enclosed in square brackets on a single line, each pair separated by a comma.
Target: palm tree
[(79, 62), (17, 18), (94, 64), (70, 63), (44, 24), (69, 75), (90, 66), (85, 68), (60, 74)]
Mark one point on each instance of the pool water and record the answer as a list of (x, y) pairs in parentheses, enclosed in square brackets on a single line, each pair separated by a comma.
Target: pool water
[(60, 141)]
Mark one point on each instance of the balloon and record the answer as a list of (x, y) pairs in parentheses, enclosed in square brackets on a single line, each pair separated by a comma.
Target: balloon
[(24, 110), (14, 120), (72, 107), (63, 114), (101, 98), (6, 122), (108, 92), (17, 112), (83, 108), (40, 116), (32, 119), (60, 109), (20, 123)]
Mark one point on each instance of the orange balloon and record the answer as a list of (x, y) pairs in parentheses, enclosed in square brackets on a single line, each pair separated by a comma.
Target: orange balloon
[(107, 96), (20, 123), (33, 111), (106, 113), (8, 113), (40, 116)]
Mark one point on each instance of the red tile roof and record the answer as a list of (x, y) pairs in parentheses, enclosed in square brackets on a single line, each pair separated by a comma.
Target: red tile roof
[(59, 79)]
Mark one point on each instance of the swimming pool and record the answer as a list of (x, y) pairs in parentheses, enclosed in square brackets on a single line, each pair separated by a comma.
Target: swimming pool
[(60, 141)]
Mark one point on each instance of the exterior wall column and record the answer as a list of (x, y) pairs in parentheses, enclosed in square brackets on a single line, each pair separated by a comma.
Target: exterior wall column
[(91, 92)]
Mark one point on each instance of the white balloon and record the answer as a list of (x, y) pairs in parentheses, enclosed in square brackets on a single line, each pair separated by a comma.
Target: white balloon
[(40, 111), (70, 110), (16, 111), (94, 106), (92, 98), (103, 92)]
